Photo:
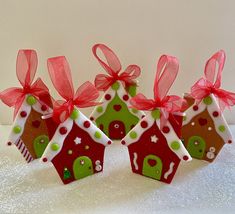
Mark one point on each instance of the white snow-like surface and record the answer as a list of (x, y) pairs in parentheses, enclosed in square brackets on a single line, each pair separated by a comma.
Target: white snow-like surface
[(198, 187)]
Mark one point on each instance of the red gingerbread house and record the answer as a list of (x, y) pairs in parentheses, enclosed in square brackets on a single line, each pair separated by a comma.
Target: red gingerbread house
[(77, 147), (154, 144)]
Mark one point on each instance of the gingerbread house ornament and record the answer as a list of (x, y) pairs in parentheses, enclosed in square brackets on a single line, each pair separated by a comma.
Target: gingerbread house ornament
[(77, 147), (154, 144), (113, 116), (29, 132), (205, 130)]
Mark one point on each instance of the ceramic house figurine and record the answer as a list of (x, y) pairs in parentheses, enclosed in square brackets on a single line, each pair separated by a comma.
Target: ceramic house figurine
[(205, 130), (154, 144), (31, 102), (77, 147), (113, 116)]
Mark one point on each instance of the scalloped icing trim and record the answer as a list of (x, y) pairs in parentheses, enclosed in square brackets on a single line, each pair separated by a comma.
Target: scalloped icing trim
[(218, 121), (20, 121), (170, 137), (59, 139), (112, 92)]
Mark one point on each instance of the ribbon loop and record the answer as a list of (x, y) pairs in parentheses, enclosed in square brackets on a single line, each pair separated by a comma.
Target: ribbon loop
[(26, 66), (167, 70), (113, 65), (61, 77), (113, 68), (210, 84), (217, 60)]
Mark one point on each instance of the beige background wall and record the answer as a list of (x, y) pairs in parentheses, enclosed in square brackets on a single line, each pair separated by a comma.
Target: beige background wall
[(138, 31)]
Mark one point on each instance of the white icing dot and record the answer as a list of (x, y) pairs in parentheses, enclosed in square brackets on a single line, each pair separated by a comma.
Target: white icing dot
[(97, 162), (193, 123), (210, 155), (98, 168), (212, 149), (116, 126), (209, 128)]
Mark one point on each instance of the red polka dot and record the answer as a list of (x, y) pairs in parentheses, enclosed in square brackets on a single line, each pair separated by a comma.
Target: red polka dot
[(107, 96), (144, 124), (43, 107), (109, 142), (91, 118), (123, 142), (125, 97), (63, 130), (86, 124), (101, 127), (215, 113), (142, 116), (23, 114), (195, 108), (44, 159), (166, 129), (185, 157), (9, 143), (229, 141)]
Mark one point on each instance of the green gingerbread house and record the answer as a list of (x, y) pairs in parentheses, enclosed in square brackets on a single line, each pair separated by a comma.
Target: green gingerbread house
[(113, 116)]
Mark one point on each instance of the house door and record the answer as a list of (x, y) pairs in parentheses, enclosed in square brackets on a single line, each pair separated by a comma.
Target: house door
[(196, 147), (117, 130), (152, 167), (39, 144), (82, 167)]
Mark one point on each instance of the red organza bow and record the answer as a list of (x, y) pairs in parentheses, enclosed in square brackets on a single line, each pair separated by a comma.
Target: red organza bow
[(211, 83), (85, 95), (26, 66), (113, 68), (167, 70)]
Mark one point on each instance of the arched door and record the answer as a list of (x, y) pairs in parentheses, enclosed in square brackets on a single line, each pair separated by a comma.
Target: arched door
[(196, 147), (152, 167), (82, 167)]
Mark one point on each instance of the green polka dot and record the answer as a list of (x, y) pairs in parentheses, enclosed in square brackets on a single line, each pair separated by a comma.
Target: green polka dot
[(74, 115), (97, 134), (175, 145), (222, 128), (207, 100), (99, 109), (55, 146), (135, 110), (31, 100), (115, 86), (184, 118), (156, 114), (133, 135), (17, 129)]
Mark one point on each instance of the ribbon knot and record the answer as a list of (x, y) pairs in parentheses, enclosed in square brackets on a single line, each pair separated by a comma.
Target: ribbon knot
[(26, 66), (211, 83), (61, 77), (167, 70), (113, 68)]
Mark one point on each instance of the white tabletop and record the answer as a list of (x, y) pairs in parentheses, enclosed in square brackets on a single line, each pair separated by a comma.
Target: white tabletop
[(198, 187)]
